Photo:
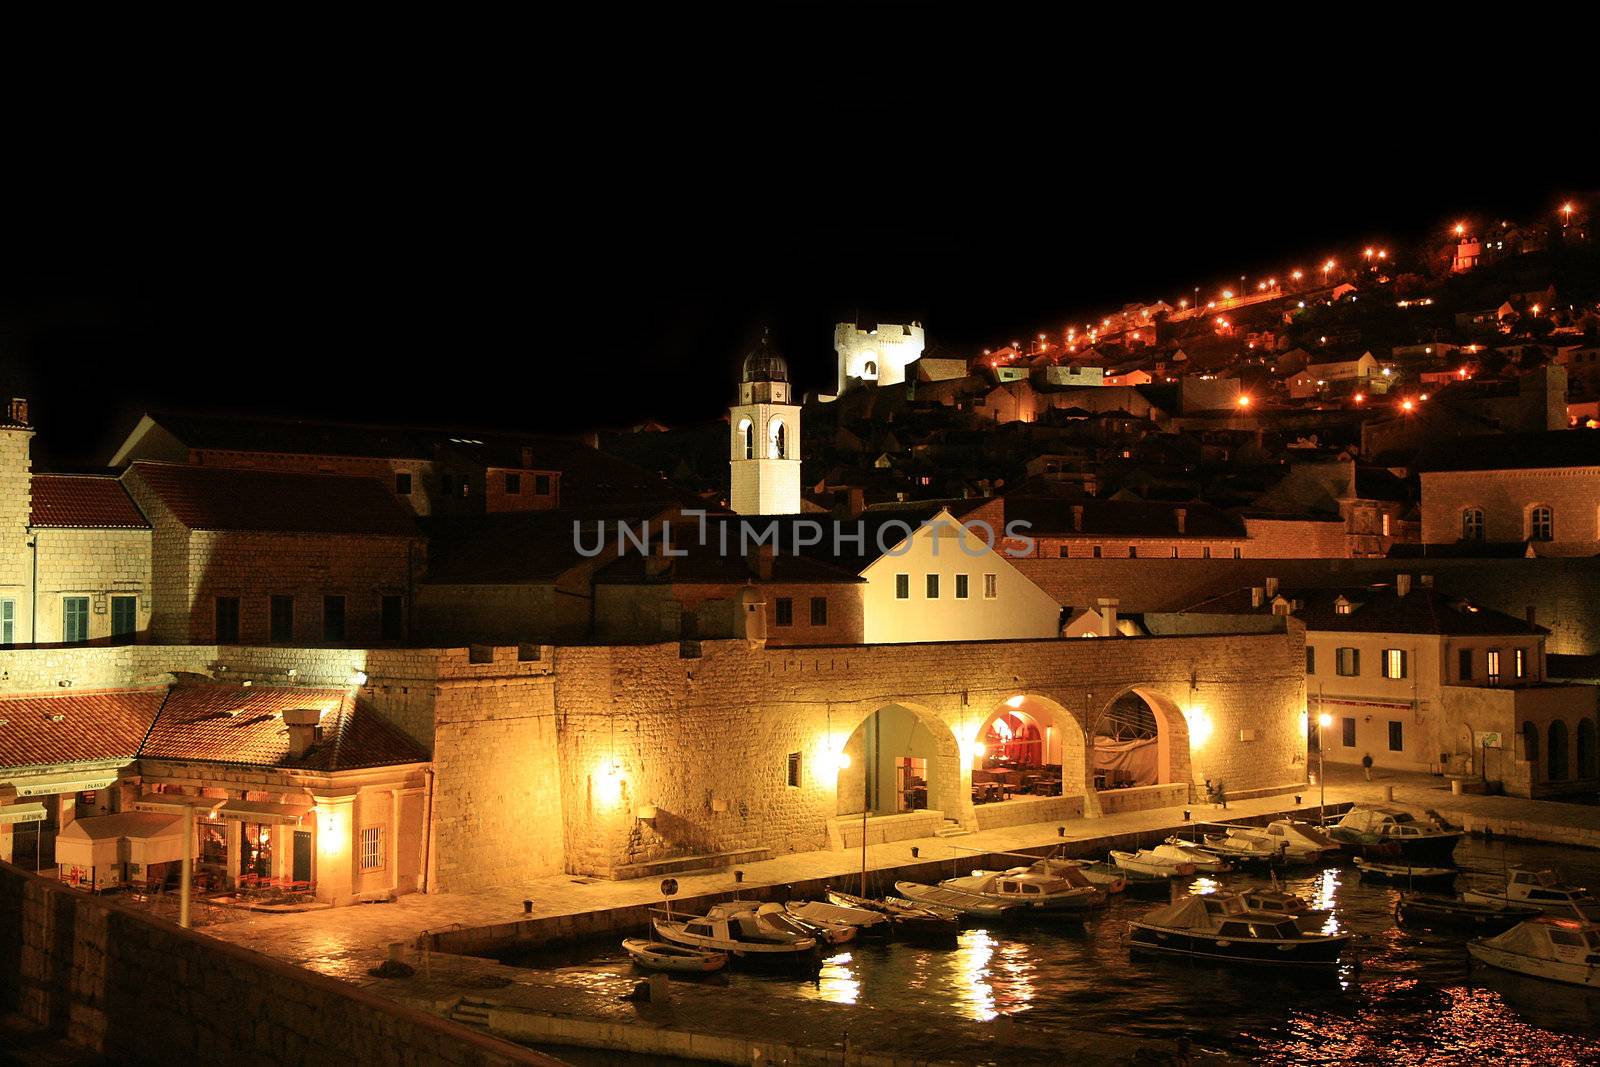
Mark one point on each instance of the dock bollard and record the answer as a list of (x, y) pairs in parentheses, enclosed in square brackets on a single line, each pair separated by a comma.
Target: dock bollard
[(738, 876), (1186, 814), (1061, 831), (915, 851)]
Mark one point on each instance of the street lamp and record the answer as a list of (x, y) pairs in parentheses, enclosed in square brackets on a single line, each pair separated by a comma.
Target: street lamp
[(1324, 720)]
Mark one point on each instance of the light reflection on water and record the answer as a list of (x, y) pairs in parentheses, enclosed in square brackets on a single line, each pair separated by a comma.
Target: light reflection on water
[(1401, 997)]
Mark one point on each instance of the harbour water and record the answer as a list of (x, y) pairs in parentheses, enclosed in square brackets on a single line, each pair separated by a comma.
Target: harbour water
[(1402, 997)]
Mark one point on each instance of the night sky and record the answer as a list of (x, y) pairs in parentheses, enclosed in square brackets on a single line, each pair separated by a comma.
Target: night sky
[(594, 257)]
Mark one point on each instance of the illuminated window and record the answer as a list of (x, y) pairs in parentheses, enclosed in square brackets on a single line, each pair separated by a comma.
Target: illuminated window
[(902, 587), (1386, 524), (371, 848), (1472, 524), (1492, 667), (1394, 663), (1541, 525), (991, 586), (1519, 662), (1174, 551), (747, 438)]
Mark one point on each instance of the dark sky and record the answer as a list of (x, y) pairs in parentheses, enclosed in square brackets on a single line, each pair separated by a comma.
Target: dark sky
[(557, 252)]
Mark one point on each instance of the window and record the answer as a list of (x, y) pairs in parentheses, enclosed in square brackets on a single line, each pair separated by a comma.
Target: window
[(371, 848), (402, 483), (1236, 554), (393, 617), (541, 485), (1394, 663), (1464, 665), (124, 616), (1347, 732), (932, 587), (513, 484), (819, 611), (227, 631), (785, 611), (1386, 524), (1174, 551), (961, 586), (1061, 551), (8, 622), (1519, 662), (333, 618), (747, 438), (902, 587), (1492, 665), (1347, 662), (74, 619), (777, 438), (1096, 551), (281, 622), (1311, 659), (1133, 551), (794, 770), (1205, 553), (1472, 525), (991, 586), (1397, 741), (1541, 525)]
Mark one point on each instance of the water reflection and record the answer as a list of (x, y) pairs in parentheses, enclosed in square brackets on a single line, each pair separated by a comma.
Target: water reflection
[(837, 981), (970, 965)]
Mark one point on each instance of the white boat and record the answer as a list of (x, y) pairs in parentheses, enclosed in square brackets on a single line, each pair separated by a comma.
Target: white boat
[(1176, 848), (863, 920), (1404, 874), (1540, 887), (736, 936), (1392, 835), (1101, 875), (968, 905), (1032, 890), (773, 922), (1244, 846), (1562, 950), (912, 922), (1147, 861), (1218, 927), (673, 959), (1278, 901), (1303, 842)]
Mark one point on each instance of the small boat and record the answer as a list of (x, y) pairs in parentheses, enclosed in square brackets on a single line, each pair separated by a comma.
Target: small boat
[(1204, 862), (968, 905), (1421, 909), (1562, 950), (1390, 835), (908, 921), (862, 920), (773, 922), (1541, 888), (1244, 847), (1218, 927), (1146, 861), (673, 959), (1277, 901), (1402, 874), (736, 935), (1099, 874), (1303, 842), (1032, 890)]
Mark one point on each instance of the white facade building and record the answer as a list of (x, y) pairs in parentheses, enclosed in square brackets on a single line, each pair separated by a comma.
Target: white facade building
[(764, 443), (878, 353)]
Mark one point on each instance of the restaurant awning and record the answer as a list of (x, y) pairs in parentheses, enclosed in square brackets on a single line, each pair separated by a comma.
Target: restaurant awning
[(21, 813), (51, 784), (176, 803), (263, 811)]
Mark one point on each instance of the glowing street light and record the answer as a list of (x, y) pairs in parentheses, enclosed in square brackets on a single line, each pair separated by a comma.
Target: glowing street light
[(1244, 400), (1406, 405), (1460, 229), (1326, 267), (1323, 722), (1297, 274), (1566, 213)]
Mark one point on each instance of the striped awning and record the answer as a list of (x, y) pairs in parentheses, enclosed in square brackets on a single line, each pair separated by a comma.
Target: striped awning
[(21, 813), (263, 811)]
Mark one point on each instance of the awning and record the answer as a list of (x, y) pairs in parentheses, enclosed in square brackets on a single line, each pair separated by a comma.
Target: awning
[(176, 802), (263, 811), (51, 784), (19, 813)]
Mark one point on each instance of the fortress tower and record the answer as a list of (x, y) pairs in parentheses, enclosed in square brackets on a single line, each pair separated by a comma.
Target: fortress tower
[(876, 352), (764, 446)]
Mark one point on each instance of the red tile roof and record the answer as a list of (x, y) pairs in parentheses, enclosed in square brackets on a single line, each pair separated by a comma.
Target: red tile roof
[(215, 498), (239, 725), (83, 500), (92, 726)]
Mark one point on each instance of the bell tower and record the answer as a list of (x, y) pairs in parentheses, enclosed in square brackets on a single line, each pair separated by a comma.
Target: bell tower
[(764, 443)]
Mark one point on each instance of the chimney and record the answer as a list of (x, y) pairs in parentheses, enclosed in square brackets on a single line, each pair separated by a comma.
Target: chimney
[(1108, 616), (1256, 596), (1182, 515), (1533, 615), (1272, 587), (1077, 518), (303, 724), (1402, 584), (18, 410), (760, 560), (1426, 580)]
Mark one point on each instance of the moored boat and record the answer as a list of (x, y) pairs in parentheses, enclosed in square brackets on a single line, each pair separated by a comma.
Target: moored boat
[(1404, 874), (865, 921), (1390, 835), (673, 959), (1246, 848), (1303, 842), (1101, 875), (1278, 901), (736, 935), (1032, 890), (967, 905), (908, 921), (1562, 950), (1421, 909), (1188, 851), (1541, 888), (1218, 927), (774, 923), (1157, 864)]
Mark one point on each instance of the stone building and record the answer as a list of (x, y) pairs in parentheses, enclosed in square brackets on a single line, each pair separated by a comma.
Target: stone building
[(1538, 490), (16, 555), (93, 552), (764, 446), (880, 352), (1065, 528)]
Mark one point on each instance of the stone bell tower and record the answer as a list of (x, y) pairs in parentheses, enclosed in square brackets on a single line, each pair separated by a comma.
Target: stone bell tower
[(764, 446)]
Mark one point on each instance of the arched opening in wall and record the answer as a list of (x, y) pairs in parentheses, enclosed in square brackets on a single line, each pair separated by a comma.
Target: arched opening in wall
[(1530, 742), (899, 759), (1028, 746), (1558, 751), (1141, 738), (1586, 749), (747, 439), (777, 438), (870, 369)]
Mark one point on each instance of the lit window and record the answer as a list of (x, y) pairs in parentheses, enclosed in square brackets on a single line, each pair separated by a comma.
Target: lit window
[(1519, 662), (371, 848), (1394, 663), (991, 586), (1492, 669)]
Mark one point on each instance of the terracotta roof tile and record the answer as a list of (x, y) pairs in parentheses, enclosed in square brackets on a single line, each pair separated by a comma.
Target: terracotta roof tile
[(215, 498), (91, 726), (80, 500)]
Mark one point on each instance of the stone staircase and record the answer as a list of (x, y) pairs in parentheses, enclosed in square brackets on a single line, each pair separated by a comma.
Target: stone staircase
[(473, 1013), (951, 828)]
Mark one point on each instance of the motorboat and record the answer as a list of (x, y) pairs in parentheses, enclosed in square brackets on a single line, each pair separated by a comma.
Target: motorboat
[(1101, 875), (735, 934), (673, 959), (773, 922), (1204, 862), (1218, 927), (1148, 862), (1244, 847), (1541, 888), (967, 905), (1304, 842), (1278, 901), (1391, 835), (1031, 890), (1421, 909), (1562, 950), (1405, 874), (908, 921), (863, 920)]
